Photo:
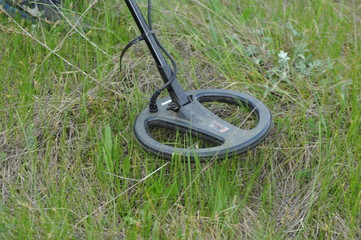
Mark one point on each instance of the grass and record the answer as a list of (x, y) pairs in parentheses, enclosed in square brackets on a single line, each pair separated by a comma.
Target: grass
[(70, 167)]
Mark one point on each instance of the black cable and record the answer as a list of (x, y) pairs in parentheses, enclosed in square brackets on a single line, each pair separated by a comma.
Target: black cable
[(131, 43), (150, 14), (153, 100)]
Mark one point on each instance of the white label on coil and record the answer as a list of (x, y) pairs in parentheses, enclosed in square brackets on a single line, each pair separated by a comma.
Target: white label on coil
[(167, 102)]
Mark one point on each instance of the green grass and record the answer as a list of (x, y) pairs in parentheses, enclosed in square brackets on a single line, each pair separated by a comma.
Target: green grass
[(70, 167)]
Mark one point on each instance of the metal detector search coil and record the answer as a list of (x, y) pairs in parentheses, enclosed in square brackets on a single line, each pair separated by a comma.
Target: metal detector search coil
[(183, 111), (201, 122)]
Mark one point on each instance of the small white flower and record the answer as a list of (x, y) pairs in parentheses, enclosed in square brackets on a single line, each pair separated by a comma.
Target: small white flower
[(283, 56)]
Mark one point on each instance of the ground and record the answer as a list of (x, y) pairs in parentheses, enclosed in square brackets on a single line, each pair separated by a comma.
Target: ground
[(70, 167)]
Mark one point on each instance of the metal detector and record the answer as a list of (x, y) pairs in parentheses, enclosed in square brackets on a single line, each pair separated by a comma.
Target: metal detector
[(183, 111)]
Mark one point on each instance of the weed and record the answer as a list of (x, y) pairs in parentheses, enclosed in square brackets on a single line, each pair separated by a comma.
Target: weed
[(70, 167)]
